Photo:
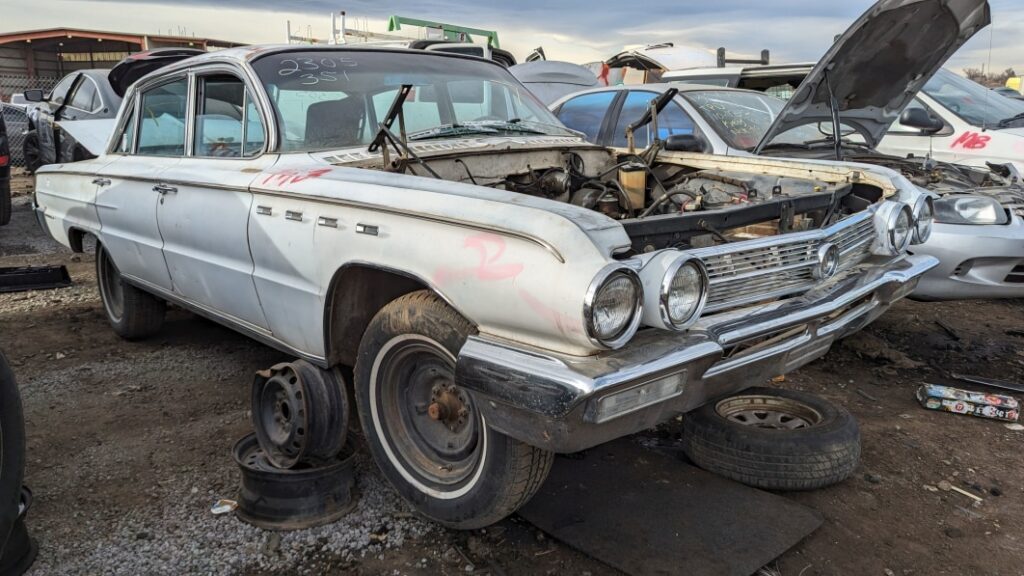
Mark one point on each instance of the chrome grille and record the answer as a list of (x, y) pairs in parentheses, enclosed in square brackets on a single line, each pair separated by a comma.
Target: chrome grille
[(758, 270)]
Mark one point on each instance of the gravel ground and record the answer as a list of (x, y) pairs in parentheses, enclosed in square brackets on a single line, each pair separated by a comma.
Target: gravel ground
[(130, 444)]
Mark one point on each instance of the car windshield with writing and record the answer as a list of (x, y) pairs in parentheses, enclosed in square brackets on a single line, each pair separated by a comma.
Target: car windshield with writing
[(972, 102), (742, 118), (329, 99)]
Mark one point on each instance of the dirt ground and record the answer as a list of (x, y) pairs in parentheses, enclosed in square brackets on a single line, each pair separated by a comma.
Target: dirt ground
[(129, 444)]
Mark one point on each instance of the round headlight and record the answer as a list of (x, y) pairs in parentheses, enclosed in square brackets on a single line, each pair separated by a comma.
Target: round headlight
[(924, 217), (900, 228), (683, 293), (613, 305)]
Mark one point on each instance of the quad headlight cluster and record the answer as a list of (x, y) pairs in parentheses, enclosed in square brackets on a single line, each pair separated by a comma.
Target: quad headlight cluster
[(669, 292), (902, 225)]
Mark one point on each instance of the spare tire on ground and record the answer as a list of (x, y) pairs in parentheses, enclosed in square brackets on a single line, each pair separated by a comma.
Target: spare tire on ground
[(774, 439), (17, 550)]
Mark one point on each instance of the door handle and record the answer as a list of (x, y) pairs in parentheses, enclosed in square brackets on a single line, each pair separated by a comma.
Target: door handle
[(164, 189), (101, 181)]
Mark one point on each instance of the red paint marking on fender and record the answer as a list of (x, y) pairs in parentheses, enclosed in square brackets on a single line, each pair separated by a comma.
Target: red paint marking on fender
[(564, 323), (292, 176), (971, 141), (490, 248)]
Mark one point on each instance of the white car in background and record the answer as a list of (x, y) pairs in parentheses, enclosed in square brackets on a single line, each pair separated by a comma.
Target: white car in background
[(979, 234)]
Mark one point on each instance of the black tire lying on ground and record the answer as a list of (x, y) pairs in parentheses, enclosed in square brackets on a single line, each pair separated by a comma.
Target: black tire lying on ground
[(774, 439), (12, 451)]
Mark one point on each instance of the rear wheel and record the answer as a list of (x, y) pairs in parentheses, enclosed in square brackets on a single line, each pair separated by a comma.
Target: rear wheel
[(425, 431), (774, 439), (31, 153), (132, 313)]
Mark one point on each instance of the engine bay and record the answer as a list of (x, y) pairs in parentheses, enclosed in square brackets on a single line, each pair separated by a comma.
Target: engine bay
[(662, 202)]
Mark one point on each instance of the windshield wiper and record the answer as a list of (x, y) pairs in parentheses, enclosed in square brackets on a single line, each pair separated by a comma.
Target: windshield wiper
[(1007, 121), (785, 145), (831, 141), (451, 130)]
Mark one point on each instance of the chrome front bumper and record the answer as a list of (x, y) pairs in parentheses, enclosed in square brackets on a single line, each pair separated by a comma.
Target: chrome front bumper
[(558, 402)]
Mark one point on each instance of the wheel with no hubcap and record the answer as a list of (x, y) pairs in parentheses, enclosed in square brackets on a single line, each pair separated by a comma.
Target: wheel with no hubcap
[(300, 412), (424, 430), (774, 439), (132, 313)]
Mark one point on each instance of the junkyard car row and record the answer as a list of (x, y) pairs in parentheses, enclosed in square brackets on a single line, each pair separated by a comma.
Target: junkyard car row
[(502, 288)]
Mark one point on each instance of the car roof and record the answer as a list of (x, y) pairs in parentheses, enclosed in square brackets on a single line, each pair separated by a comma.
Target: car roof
[(766, 70), (653, 87)]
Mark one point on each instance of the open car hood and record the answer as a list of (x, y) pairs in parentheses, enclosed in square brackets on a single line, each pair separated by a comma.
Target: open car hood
[(127, 71), (880, 63)]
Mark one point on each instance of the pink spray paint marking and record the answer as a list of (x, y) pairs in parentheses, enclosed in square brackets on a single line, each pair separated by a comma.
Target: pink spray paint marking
[(286, 177), (971, 141), (490, 248)]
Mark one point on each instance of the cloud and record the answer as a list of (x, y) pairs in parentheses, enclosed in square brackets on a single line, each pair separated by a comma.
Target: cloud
[(575, 30)]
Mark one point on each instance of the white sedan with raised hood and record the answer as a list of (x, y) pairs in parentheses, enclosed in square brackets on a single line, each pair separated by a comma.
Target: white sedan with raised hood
[(979, 231), (503, 289)]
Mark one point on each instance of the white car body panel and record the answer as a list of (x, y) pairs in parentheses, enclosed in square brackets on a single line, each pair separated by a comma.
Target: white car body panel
[(961, 143)]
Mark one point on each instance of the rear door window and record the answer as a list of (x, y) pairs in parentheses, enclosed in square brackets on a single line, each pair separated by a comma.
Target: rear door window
[(162, 128)]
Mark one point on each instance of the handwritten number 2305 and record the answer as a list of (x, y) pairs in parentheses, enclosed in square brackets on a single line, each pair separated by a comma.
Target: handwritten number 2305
[(313, 70)]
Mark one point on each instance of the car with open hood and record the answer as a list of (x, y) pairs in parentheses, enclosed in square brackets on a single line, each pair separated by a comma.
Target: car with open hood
[(979, 229), (502, 289), (62, 123)]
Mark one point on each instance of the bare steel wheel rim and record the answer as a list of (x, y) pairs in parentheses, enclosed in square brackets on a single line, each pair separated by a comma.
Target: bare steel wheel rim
[(111, 289), (282, 415), (771, 412), (430, 427)]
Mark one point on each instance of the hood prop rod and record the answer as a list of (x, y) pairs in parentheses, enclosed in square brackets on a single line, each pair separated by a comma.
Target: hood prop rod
[(833, 105)]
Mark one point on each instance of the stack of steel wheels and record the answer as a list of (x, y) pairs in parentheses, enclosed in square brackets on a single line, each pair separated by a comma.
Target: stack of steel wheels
[(17, 549), (296, 472)]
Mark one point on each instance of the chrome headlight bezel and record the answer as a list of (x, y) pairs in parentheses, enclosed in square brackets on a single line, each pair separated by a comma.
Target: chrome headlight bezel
[(924, 219), (900, 245), (666, 292), (601, 281), (887, 217)]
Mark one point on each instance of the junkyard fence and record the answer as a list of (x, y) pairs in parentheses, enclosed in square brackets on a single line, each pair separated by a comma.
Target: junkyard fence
[(14, 114)]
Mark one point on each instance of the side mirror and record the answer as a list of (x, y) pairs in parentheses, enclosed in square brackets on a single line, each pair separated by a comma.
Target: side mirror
[(34, 95), (684, 143), (920, 118)]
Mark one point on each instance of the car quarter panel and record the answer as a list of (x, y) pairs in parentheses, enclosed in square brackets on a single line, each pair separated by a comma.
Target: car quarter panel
[(473, 246), (69, 198)]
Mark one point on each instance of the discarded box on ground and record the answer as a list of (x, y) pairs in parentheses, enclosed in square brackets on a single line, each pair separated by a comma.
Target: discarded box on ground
[(948, 399)]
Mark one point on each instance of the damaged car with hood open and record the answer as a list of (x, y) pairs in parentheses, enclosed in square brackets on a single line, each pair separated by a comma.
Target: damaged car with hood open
[(501, 289), (862, 86)]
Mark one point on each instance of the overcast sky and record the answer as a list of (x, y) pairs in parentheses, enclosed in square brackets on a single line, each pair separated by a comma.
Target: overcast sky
[(574, 30)]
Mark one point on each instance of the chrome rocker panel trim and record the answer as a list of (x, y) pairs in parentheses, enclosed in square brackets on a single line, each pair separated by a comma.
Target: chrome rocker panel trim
[(549, 400)]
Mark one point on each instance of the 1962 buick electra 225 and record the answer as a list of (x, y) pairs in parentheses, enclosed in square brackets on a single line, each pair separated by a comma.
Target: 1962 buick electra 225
[(502, 289)]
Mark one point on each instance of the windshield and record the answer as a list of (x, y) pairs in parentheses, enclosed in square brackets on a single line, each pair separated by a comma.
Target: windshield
[(971, 101), (743, 118), (337, 98)]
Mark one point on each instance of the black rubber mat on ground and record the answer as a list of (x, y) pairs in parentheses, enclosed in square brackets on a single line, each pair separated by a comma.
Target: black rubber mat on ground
[(646, 512), (33, 278)]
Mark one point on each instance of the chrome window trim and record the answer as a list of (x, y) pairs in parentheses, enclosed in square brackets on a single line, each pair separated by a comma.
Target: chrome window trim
[(141, 91), (239, 72)]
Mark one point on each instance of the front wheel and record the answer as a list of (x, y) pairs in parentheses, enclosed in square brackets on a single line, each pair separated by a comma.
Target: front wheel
[(425, 432), (132, 313)]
